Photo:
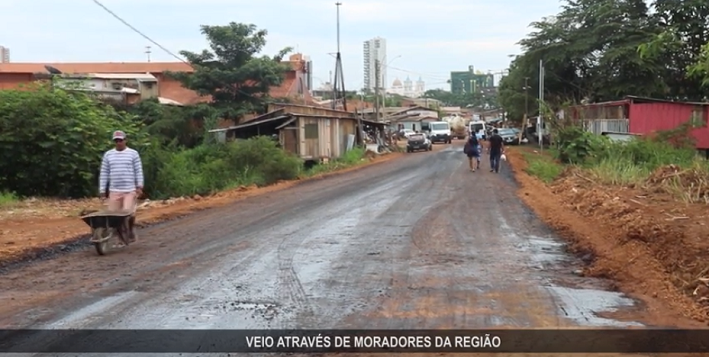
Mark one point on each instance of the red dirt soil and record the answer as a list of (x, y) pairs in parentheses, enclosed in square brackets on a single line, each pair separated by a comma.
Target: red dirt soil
[(30, 227), (654, 247)]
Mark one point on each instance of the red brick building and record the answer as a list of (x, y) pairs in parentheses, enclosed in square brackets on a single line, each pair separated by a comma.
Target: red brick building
[(12, 75)]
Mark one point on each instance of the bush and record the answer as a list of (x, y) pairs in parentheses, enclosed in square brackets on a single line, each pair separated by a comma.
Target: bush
[(52, 141), (631, 162), (210, 168)]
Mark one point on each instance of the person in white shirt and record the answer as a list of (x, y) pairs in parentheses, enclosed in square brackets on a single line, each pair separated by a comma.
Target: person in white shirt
[(121, 178)]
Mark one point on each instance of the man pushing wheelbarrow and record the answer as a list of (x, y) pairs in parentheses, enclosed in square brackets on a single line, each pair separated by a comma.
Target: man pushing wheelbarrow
[(121, 180)]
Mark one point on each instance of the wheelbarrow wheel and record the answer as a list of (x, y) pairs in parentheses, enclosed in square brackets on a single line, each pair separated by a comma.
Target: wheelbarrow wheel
[(102, 237)]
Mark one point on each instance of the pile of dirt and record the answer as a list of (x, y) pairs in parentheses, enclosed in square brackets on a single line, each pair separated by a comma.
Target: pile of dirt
[(653, 246), (692, 184)]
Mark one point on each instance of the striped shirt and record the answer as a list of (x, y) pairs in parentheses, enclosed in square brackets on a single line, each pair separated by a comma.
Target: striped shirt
[(123, 170)]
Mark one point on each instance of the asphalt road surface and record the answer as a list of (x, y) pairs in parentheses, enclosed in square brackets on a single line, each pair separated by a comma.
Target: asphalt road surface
[(417, 242)]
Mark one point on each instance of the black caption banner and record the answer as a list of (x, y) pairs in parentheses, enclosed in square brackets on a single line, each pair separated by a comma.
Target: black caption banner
[(363, 341)]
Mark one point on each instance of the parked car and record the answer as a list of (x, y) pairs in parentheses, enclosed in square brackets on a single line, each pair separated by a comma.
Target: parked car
[(418, 142), (405, 133), (517, 132), (509, 136)]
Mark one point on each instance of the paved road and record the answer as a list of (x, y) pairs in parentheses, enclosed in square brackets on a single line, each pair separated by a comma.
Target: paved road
[(419, 242)]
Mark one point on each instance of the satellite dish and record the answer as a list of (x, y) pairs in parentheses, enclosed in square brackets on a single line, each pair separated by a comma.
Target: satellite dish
[(52, 70)]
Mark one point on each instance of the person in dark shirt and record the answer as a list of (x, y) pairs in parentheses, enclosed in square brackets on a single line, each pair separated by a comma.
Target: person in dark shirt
[(496, 149), (472, 150)]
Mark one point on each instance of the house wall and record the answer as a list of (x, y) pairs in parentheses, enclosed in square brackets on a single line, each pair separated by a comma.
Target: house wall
[(409, 124), (309, 145), (290, 139), (346, 128), (646, 118), (332, 137), (14, 80)]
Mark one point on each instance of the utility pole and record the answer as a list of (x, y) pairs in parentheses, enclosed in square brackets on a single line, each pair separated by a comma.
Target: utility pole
[(526, 108), (338, 87), (148, 52), (541, 103), (526, 97)]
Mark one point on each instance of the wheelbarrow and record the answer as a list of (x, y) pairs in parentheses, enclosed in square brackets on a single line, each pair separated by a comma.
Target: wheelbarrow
[(110, 230)]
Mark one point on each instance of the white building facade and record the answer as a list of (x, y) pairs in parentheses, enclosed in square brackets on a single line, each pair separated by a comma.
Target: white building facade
[(375, 49), (4, 55), (408, 88)]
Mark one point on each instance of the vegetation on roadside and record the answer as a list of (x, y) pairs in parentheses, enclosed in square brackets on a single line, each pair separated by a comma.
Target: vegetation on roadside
[(667, 159), (52, 138), (351, 158), (543, 167)]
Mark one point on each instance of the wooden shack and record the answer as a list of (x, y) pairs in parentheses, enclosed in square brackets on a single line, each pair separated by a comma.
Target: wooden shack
[(312, 133)]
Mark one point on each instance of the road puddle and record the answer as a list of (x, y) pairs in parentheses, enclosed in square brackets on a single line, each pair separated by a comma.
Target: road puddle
[(581, 299)]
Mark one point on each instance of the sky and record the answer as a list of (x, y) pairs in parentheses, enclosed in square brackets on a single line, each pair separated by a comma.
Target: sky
[(425, 38)]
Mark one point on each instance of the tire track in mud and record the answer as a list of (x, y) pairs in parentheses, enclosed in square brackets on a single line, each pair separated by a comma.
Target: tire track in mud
[(292, 287), (392, 232)]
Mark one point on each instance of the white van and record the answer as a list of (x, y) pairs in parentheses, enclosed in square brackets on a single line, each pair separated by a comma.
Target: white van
[(440, 132), (477, 126)]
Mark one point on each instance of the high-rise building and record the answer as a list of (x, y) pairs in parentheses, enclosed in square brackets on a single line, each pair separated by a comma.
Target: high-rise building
[(471, 81), (375, 49), (4, 55)]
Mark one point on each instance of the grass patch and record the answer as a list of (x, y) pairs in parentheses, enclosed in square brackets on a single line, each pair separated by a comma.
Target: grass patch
[(8, 198), (618, 171), (543, 167), (349, 159), (655, 162)]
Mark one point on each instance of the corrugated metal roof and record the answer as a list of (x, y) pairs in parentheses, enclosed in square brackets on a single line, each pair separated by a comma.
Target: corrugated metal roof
[(100, 67), (144, 77), (167, 101), (252, 123)]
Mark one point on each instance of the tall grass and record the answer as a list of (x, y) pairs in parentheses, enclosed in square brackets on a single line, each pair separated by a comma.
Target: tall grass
[(543, 167), (677, 169), (7, 198), (632, 162)]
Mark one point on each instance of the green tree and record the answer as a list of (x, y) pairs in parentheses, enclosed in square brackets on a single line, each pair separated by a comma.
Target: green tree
[(590, 52), (52, 140), (678, 47), (231, 73)]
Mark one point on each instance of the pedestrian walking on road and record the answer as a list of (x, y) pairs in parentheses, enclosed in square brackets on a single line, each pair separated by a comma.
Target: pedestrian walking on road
[(472, 150), (121, 178), (496, 149)]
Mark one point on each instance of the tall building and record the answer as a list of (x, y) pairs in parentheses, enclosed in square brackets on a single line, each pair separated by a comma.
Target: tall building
[(375, 49), (470, 82), (4, 55)]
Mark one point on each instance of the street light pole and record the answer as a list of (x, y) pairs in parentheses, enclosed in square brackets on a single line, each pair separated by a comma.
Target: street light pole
[(384, 92)]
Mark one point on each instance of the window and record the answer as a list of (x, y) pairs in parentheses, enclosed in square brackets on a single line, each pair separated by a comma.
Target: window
[(311, 131), (439, 126)]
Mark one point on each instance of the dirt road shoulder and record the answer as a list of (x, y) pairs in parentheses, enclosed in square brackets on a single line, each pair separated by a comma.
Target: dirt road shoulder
[(42, 228), (629, 236)]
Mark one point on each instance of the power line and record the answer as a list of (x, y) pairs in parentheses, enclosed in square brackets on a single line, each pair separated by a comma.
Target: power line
[(419, 73), (161, 46), (139, 32)]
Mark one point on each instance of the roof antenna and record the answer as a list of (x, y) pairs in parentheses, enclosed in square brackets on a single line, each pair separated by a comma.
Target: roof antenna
[(148, 52)]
